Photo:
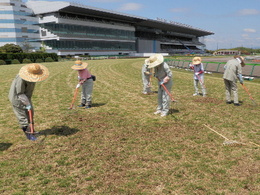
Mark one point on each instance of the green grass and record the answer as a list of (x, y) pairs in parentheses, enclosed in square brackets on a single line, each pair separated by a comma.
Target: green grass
[(119, 146)]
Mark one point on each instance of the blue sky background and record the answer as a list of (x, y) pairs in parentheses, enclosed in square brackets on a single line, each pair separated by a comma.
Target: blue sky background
[(235, 23)]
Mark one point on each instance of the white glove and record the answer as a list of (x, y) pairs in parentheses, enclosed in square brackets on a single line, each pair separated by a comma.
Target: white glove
[(28, 107), (78, 85), (196, 73), (166, 79)]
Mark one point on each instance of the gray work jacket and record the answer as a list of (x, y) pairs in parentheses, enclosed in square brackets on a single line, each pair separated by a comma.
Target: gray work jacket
[(232, 69), (18, 87), (162, 71)]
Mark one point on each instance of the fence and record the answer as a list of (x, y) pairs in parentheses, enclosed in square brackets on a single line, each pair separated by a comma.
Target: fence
[(248, 70)]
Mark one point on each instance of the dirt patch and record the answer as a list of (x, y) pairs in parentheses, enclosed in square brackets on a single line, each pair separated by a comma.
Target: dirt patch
[(208, 100)]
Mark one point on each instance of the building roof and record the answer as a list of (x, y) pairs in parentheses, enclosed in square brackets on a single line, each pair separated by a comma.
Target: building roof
[(42, 7)]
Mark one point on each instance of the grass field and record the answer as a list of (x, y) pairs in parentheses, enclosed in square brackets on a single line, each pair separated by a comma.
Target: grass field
[(119, 146)]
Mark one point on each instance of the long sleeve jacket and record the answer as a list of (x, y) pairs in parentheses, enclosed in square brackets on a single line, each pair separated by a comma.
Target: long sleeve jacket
[(162, 71), (20, 88), (233, 69)]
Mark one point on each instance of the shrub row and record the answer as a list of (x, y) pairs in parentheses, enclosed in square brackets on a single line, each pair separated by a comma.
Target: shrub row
[(16, 58)]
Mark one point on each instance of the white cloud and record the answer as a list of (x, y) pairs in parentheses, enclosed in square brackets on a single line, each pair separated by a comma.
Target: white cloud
[(131, 6), (249, 30), (245, 36), (245, 12)]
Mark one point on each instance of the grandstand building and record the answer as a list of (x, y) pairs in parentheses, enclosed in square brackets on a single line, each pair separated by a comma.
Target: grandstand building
[(68, 28)]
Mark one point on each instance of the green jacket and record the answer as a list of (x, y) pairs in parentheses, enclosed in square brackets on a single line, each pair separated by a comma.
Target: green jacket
[(19, 87)]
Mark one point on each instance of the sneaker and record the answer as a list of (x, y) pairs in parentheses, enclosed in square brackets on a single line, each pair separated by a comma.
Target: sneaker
[(237, 104), (163, 114), (195, 94), (88, 106), (82, 105), (228, 102), (158, 112)]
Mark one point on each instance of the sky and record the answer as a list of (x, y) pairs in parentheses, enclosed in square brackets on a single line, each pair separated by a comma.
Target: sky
[(235, 23)]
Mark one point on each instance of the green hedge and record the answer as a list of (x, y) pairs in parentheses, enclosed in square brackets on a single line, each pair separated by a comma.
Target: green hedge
[(31, 56)]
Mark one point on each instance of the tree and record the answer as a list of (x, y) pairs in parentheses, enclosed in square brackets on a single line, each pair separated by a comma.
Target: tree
[(11, 48), (26, 47), (43, 47)]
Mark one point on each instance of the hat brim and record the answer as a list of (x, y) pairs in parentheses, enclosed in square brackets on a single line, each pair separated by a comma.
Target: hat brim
[(80, 67), (159, 61), (196, 62), (25, 75)]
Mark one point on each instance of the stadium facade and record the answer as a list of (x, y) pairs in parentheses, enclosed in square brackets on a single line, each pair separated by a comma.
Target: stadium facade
[(68, 28)]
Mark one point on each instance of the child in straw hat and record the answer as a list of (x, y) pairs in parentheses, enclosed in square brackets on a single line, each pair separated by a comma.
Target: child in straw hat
[(164, 75), (198, 76), (86, 80), (21, 92)]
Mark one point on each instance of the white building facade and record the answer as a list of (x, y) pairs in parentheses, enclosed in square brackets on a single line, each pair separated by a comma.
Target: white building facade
[(18, 24)]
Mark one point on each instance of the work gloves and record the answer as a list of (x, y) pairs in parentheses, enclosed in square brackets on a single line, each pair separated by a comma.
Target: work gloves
[(78, 85), (28, 107), (166, 79), (241, 80)]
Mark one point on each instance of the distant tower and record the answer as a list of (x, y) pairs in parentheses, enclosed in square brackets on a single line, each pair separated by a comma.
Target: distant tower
[(17, 24)]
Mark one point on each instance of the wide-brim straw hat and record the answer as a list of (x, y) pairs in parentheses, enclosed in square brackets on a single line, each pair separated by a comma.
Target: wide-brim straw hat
[(241, 59), (196, 60), (154, 60), (79, 65), (34, 72), (146, 61)]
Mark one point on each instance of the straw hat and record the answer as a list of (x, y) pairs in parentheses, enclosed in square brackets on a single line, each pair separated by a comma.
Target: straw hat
[(154, 60), (196, 60), (34, 72), (79, 65), (146, 61), (241, 59)]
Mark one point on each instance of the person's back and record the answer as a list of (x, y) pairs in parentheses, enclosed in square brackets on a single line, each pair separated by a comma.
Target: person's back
[(231, 70)]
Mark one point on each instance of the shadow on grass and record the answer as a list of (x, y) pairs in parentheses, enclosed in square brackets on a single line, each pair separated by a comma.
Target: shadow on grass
[(98, 104), (59, 130), (172, 111), (5, 146)]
